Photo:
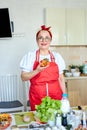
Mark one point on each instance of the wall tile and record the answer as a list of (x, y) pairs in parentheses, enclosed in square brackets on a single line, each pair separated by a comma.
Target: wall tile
[(72, 55)]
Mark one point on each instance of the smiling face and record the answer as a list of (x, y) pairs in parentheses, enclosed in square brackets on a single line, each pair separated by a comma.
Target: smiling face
[(44, 40)]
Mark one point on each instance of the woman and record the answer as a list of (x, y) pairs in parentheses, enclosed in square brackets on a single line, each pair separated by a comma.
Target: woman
[(48, 80)]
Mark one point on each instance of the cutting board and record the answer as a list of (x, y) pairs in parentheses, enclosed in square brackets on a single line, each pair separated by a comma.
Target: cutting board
[(19, 118)]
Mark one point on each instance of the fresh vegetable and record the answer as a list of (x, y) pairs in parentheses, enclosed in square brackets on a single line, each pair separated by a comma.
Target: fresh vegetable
[(4, 117), (47, 109)]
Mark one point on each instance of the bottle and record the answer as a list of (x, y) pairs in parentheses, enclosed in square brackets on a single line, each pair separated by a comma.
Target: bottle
[(58, 120), (65, 105), (84, 119), (64, 119), (85, 68)]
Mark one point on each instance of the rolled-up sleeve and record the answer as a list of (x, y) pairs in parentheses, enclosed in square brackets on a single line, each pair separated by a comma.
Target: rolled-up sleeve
[(27, 62)]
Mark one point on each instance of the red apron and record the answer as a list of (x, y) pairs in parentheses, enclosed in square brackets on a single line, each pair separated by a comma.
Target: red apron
[(45, 83)]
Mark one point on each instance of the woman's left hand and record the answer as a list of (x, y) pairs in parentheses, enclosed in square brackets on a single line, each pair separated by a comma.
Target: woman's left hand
[(40, 68)]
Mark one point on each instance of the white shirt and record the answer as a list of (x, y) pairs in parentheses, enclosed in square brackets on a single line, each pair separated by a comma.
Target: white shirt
[(28, 60)]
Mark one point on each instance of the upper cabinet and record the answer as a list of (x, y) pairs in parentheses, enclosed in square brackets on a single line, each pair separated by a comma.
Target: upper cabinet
[(75, 24), (86, 26), (69, 26), (56, 19)]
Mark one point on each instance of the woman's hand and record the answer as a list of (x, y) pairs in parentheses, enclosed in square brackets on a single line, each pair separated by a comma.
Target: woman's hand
[(28, 75), (40, 68)]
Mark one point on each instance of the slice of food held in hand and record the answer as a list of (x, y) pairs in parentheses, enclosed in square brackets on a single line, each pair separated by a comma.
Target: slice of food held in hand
[(44, 62)]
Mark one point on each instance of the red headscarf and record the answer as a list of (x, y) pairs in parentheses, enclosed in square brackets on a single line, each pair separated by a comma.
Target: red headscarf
[(43, 27)]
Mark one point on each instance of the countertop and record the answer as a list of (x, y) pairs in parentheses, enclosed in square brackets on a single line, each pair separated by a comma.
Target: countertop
[(72, 78)]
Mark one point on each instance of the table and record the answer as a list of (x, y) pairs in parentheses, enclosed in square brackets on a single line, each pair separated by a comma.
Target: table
[(13, 123), (78, 113)]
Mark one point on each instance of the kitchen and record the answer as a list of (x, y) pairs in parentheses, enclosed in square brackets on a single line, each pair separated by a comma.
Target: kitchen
[(69, 29), (25, 27)]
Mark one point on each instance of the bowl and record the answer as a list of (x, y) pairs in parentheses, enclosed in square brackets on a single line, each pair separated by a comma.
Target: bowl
[(76, 74), (73, 70), (68, 74)]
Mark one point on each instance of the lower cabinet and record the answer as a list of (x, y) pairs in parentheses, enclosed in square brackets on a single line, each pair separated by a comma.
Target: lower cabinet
[(77, 91)]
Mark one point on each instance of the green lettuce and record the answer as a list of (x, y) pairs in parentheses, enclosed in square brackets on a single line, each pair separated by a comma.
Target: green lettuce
[(47, 109)]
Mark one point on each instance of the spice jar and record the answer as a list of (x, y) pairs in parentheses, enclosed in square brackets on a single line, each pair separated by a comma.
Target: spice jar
[(58, 120)]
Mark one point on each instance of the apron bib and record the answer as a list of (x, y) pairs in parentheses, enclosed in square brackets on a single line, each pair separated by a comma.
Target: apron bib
[(45, 83)]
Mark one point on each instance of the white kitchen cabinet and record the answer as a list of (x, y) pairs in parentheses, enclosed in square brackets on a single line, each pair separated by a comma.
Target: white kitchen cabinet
[(86, 26), (68, 25), (55, 17), (75, 22)]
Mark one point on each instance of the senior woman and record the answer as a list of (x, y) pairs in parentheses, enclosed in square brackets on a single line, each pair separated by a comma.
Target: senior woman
[(44, 80)]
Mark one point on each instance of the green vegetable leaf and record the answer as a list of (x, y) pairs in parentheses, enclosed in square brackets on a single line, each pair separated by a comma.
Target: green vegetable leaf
[(47, 109)]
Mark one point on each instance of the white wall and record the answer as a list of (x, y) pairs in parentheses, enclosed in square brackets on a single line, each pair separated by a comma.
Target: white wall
[(28, 16)]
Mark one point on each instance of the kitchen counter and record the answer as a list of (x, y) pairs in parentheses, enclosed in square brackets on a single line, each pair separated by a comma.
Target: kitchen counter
[(80, 77)]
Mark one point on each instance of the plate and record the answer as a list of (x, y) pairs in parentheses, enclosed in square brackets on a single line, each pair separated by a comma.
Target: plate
[(5, 121)]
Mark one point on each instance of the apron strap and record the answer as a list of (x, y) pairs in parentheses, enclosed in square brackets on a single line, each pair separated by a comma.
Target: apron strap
[(47, 91), (37, 55), (51, 56)]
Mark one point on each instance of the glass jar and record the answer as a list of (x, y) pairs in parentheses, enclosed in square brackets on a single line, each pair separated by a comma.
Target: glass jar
[(58, 120)]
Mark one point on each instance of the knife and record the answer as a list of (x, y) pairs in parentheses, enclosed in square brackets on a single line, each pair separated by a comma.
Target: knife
[(15, 126)]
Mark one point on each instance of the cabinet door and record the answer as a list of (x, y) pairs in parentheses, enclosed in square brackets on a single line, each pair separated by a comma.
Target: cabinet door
[(77, 91), (55, 17), (75, 20), (86, 27)]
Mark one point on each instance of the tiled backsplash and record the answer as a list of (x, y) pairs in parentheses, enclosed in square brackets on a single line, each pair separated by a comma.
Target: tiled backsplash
[(72, 55)]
